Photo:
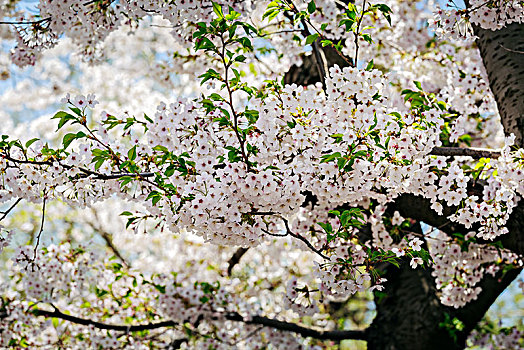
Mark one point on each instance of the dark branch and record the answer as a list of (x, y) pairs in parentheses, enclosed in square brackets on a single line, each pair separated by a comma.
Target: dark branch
[(27, 22), (41, 229), (108, 238), (476, 153), (85, 322), (299, 329), (303, 239), (87, 172), (5, 213), (232, 316), (235, 259), (492, 287)]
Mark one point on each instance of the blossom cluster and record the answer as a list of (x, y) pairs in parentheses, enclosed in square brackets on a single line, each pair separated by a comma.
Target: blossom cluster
[(507, 339), (345, 147), (492, 15), (94, 22), (459, 268), (295, 172), (5, 238)]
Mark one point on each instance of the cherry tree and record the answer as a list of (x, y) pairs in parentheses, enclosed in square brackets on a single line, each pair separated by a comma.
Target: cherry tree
[(234, 174)]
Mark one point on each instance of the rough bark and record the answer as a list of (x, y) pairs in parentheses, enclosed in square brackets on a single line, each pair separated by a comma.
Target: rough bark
[(410, 306), (502, 52), (307, 73)]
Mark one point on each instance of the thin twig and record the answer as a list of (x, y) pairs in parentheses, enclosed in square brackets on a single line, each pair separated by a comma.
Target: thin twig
[(41, 229), (274, 234), (109, 240), (319, 60), (299, 329), (230, 103), (511, 50), (5, 213), (356, 33), (293, 8), (303, 239), (27, 22)]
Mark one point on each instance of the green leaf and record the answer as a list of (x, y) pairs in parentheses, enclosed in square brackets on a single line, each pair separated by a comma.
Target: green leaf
[(240, 58), (147, 118), (131, 154), (30, 142), (125, 180), (217, 9), (77, 111), (204, 44), (384, 8), (351, 13), (417, 84), (346, 22), (394, 262), (311, 7), (64, 118), (326, 226), (68, 138), (367, 38), (246, 43), (329, 157), (311, 38), (232, 15), (341, 162), (271, 14), (386, 11), (388, 18), (325, 43), (99, 163), (209, 74)]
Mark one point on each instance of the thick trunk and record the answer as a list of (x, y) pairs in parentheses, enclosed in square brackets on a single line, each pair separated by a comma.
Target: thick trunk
[(502, 52), (409, 314)]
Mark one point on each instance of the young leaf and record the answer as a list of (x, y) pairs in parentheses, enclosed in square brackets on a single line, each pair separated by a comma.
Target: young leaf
[(370, 65), (217, 9), (311, 38), (131, 154), (311, 7)]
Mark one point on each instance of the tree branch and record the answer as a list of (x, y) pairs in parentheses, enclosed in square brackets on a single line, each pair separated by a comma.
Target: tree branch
[(26, 22), (108, 239), (87, 172), (86, 322), (492, 287), (41, 230), (235, 259), (299, 329), (5, 213), (231, 316), (475, 153), (303, 239)]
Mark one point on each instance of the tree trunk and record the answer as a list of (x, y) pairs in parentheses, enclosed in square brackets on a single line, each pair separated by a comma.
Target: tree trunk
[(409, 314), (502, 52)]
